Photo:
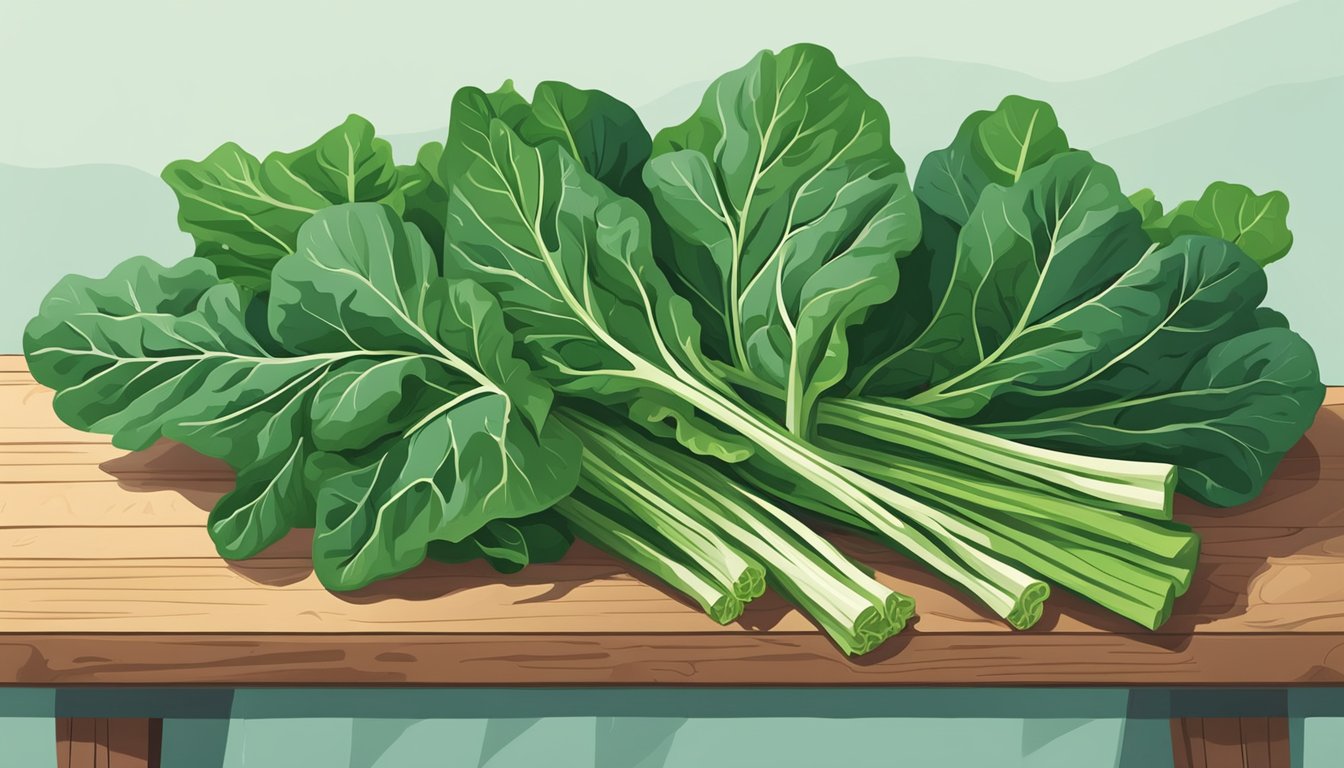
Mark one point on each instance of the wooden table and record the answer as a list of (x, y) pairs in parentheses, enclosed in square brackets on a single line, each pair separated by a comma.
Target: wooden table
[(109, 579)]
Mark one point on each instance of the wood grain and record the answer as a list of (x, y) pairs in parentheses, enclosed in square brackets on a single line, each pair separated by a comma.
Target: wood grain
[(108, 577)]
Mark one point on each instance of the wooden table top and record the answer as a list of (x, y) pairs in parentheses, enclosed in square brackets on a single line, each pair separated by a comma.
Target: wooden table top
[(107, 576)]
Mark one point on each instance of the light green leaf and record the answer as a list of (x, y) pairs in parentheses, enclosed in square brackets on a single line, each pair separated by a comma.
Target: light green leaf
[(667, 417), (1148, 206), (1258, 224), (245, 214), (785, 184), (1016, 137)]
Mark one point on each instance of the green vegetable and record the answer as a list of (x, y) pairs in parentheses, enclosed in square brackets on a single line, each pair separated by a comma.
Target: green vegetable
[(1258, 224), (794, 210), (604, 525), (680, 348), (857, 611), (246, 213), (1084, 335), (571, 264), (444, 432)]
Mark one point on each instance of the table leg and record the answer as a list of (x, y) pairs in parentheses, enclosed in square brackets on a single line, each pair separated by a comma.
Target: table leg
[(103, 742), (1230, 742)]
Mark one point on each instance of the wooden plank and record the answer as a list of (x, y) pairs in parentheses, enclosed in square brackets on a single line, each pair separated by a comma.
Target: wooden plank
[(104, 504), (89, 742), (110, 577), (169, 579), (162, 465), (668, 658), (1230, 742)]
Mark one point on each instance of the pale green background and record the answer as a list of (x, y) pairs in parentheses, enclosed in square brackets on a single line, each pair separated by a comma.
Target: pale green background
[(97, 97)]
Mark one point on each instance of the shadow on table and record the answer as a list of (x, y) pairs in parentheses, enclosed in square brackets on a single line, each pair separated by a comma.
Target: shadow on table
[(170, 466), (1299, 512), (200, 480)]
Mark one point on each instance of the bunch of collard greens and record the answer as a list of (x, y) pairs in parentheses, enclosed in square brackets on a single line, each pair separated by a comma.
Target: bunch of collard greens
[(689, 348)]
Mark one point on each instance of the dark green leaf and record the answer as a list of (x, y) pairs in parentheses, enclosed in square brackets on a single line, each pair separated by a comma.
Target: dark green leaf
[(510, 545), (991, 147), (1226, 423), (1063, 325), (426, 194)]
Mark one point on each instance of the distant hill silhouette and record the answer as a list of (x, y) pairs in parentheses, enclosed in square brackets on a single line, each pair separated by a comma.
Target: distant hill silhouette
[(926, 99), (1258, 102)]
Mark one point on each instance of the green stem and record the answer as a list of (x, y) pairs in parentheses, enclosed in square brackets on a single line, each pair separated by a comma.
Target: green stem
[(608, 534), (853, 608), (1137, 575), (1139, 488), (744, 578), (1011, 593)]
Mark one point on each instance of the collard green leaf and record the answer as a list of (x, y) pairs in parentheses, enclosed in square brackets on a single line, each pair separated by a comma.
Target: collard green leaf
[(1027, 252), (469, 126), (358, 309), (347, 164), (786, 188), (991, 147), (1226, 423), (152, 351), (1258, 224), (1064, 325), (571, 264), (361, 278), (1172, 302), (245, 213), (1148, 206), (1016, 137), (603, 134), (467, 463)]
